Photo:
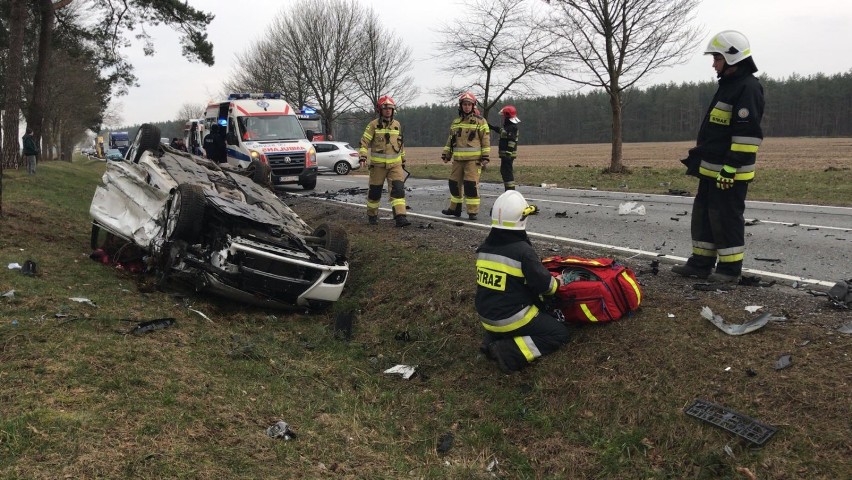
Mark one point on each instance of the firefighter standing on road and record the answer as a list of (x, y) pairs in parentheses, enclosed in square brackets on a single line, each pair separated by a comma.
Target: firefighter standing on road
[(508, 144), (382, 140), (468, 147), (510, 278), (723, 160)]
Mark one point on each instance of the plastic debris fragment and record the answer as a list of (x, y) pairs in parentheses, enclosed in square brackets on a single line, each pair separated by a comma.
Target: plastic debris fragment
[(845, 328), (407, 371), (753, 308), (783, 361), (445, 443), (151, 325), (734, 329), (280, 430), (631, 208), (741, 425), (85, 301), (9, 294), (14, 266)]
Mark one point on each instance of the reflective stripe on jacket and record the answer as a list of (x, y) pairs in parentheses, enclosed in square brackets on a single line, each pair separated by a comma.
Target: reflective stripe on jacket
[(469, 139), (510, 278), (382, 142), (508, 143), (730, 133)]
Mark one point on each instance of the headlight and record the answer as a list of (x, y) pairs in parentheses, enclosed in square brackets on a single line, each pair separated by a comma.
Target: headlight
[(255, 155), (311, 157)]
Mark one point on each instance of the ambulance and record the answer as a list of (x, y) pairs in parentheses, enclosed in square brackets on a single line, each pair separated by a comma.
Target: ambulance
[(193, 135), (264, 127)]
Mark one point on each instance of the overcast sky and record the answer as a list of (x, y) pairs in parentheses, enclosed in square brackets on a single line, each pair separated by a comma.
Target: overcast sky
[(787, 36)]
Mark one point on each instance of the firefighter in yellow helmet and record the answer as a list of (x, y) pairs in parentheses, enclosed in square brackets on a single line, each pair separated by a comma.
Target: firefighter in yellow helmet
[(382, 141), (724, 159), (510, 278), (468, 146)]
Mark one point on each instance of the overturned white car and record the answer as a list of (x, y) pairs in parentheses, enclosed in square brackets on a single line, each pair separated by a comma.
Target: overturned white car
[(217, 229)]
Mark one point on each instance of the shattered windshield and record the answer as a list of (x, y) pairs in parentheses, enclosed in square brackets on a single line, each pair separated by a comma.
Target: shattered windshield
[(270, 128)]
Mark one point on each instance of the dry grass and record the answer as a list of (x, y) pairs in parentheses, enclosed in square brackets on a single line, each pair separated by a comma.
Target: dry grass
[(775, 153)]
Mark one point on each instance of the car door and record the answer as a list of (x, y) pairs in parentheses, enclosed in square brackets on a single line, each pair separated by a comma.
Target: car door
[(326, 155)]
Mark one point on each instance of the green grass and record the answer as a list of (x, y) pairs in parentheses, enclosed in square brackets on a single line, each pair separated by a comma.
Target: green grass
[(806, 186), (81, 399)]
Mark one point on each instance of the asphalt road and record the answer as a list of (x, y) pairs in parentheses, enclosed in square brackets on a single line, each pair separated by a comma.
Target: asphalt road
[(790, 243)]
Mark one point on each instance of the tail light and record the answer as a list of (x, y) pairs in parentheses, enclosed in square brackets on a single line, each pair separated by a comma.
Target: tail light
[(353, 154), (311, 158)]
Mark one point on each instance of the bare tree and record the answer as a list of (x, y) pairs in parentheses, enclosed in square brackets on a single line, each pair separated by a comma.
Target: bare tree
[(12, 92), (497, 49), (191, 110), (261, 68), (383, 65), (320, 40), (618, 42)]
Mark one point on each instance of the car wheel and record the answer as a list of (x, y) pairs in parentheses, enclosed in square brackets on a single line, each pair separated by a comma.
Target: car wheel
[(186, 211), (148, 138), (342, 168), (260, 172), (310, 184), (332, 238)]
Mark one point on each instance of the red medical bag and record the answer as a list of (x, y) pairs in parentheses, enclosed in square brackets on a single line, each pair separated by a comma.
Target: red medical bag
[(597, 289)]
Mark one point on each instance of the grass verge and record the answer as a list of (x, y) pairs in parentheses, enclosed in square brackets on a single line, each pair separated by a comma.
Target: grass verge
[(79, 398)]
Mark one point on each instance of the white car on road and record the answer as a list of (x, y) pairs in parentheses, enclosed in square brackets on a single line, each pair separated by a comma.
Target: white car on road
[(337, 157)]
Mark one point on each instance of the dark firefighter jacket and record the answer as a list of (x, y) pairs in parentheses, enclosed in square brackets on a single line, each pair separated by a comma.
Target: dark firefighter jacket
[(510, 278), (469, 139), (30, 147), (508, 143), (383, 142), (730, 133)]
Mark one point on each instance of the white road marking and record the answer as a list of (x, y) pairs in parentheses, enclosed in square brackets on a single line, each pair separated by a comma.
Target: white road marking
[(577, 241)]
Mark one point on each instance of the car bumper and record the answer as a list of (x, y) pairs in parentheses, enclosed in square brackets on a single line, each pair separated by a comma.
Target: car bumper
[(304, 177)]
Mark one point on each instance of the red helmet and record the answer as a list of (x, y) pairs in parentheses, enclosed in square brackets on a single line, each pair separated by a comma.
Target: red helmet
[(511, 113), (467, 97), (385, 100)]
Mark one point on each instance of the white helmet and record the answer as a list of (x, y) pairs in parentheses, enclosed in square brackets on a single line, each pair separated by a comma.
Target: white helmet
[(731, 44), (510, 211)]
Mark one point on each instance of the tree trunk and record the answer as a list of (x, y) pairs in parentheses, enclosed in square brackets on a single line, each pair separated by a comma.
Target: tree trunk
[(12, 106), (35, 115), (616, 165)]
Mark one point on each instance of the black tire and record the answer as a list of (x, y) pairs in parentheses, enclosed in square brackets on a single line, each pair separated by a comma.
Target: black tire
[(260, 172), (342, 168), (332, 238), (148, 138), (186, 213), (310, 184)]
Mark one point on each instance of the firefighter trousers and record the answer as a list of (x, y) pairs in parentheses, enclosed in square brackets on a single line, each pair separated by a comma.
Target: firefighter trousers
[(507, 172), (718, 227), (464, 185), (518, 348), (395, 177)]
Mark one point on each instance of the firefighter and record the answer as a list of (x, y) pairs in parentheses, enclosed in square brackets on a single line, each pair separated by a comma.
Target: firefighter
[(468, 147), (510, 278), (723, 159), (508, 144), (382, 140)]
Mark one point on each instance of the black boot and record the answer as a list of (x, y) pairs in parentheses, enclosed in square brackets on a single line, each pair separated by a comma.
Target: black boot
[(373, 220), (401, 221), (453, 212)]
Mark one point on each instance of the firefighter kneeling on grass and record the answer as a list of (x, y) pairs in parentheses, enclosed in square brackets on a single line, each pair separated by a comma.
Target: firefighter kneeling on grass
[(510, 278), (382, 139)]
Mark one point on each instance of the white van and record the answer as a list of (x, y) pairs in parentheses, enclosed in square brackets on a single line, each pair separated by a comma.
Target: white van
[(263, 126)]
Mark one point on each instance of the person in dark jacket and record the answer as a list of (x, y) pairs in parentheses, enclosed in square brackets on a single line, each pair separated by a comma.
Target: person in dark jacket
[(724, 161), (508, 144), (214, 145), (30, 151), (510, 279)]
